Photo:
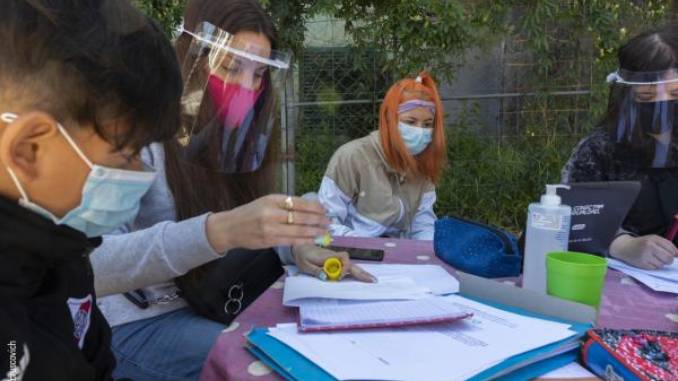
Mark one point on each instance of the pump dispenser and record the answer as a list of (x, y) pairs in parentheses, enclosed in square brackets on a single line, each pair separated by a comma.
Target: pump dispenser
[(547, 230), (551, 197)]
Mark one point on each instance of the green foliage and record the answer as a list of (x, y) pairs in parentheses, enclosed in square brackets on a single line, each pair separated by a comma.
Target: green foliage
[(494, 181), (168, 13), (418, 34), (313, 152), (289, 17), (424, 34), (596, 29)]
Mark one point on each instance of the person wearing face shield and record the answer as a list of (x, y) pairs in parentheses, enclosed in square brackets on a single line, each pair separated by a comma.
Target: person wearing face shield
[(384, 184), (199, 250), (638, 141)]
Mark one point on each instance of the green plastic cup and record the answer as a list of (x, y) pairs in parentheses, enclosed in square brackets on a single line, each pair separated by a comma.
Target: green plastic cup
[(578, 277)]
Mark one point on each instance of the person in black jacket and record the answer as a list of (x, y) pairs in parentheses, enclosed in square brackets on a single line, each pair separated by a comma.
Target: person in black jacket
[(638, 141), (84, 85)]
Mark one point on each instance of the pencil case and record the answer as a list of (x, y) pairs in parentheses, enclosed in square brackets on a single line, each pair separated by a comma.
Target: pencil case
[(632, 355)]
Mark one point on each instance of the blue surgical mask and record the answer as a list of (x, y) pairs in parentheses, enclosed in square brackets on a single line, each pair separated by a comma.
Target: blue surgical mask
[(416, 139), (110, 197)]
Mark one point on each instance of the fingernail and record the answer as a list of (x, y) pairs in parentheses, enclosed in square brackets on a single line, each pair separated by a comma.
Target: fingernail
[(374, 279)]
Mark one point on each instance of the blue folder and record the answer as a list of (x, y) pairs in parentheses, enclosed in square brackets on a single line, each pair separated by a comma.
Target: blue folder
[(295, 367)]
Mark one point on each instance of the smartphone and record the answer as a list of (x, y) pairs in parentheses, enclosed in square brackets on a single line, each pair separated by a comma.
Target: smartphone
[(362, 254)]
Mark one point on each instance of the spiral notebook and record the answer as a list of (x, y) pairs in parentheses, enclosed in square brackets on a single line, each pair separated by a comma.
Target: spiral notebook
[(334, 315)]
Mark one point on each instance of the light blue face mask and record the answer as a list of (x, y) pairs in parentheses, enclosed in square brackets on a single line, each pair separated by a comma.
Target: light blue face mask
[(110, 197), (416, 139)]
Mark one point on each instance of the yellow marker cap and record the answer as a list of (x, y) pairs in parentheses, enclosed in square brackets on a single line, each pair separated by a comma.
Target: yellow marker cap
[(332, 267)]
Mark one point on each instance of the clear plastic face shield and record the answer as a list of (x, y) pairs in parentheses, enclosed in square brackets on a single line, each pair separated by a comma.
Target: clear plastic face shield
[(230, 100), (648, 113)]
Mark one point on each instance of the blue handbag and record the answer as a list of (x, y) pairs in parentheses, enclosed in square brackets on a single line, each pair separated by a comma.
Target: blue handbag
[(477, 248)]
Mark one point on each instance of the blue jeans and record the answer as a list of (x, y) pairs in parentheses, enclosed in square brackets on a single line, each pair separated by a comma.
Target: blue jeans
[(169, 347)]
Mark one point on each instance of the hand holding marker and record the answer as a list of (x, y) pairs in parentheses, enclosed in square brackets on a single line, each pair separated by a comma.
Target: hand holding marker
[(333, 266)]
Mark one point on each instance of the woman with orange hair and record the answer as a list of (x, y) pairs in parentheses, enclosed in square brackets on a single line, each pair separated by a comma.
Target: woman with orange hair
[(384, 183)]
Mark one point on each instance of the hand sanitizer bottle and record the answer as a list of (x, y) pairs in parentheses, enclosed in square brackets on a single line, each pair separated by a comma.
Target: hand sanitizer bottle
[(547, 230)]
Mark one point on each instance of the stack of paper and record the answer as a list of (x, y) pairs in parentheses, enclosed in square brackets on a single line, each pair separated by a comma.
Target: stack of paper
[(404, 295), (395, 282), (664, 279), (493, 339)]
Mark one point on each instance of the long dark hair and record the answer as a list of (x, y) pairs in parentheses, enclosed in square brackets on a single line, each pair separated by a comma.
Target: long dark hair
[(652, 51), (198, 190)]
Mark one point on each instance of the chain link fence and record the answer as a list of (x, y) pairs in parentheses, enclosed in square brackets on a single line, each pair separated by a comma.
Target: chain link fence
[(508, 136)]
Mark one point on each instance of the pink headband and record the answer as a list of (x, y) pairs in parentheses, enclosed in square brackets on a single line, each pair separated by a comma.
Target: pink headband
[(416, 103)]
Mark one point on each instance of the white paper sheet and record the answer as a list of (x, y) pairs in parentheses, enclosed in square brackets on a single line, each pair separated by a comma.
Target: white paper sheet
[(570, 371), (669, 272), (454, 351), (395, 282), (389, 313), (664, 280), (439, 281)]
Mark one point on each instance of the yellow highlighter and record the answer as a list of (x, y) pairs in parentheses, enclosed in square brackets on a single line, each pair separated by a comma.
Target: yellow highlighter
[(333, 267), (323, 240)]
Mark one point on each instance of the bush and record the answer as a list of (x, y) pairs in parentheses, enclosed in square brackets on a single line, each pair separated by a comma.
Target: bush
[(313, 152), (493, 181)]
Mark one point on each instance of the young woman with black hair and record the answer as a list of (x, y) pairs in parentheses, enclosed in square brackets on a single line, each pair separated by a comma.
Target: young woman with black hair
[(638, 141)]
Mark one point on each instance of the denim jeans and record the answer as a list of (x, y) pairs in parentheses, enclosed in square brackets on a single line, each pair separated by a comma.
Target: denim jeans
[(169, 347)]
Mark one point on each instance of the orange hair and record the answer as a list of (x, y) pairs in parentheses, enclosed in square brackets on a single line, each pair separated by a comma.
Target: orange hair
[(431, 161)]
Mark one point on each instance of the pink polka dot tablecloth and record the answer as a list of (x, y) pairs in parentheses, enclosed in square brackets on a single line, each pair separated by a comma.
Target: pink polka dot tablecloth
[(625, 304)]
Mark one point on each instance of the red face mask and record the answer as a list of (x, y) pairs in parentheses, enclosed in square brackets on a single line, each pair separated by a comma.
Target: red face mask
[(232, 101)]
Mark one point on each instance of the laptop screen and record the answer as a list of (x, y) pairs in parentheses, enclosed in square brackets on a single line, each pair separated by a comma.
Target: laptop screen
[(598, 210)]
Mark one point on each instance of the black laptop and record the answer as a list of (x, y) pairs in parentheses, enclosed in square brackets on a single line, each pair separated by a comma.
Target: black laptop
[(598, 210)]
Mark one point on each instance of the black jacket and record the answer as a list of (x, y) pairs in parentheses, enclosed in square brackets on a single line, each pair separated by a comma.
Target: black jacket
[(598, 158), (50, 326)]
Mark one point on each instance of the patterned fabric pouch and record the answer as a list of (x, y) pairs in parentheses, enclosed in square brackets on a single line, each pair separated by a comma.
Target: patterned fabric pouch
[(632, 355), (477, 248)]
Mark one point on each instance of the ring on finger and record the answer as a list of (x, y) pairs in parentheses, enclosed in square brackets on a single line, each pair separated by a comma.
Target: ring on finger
[(290, 218), (289, 204)]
